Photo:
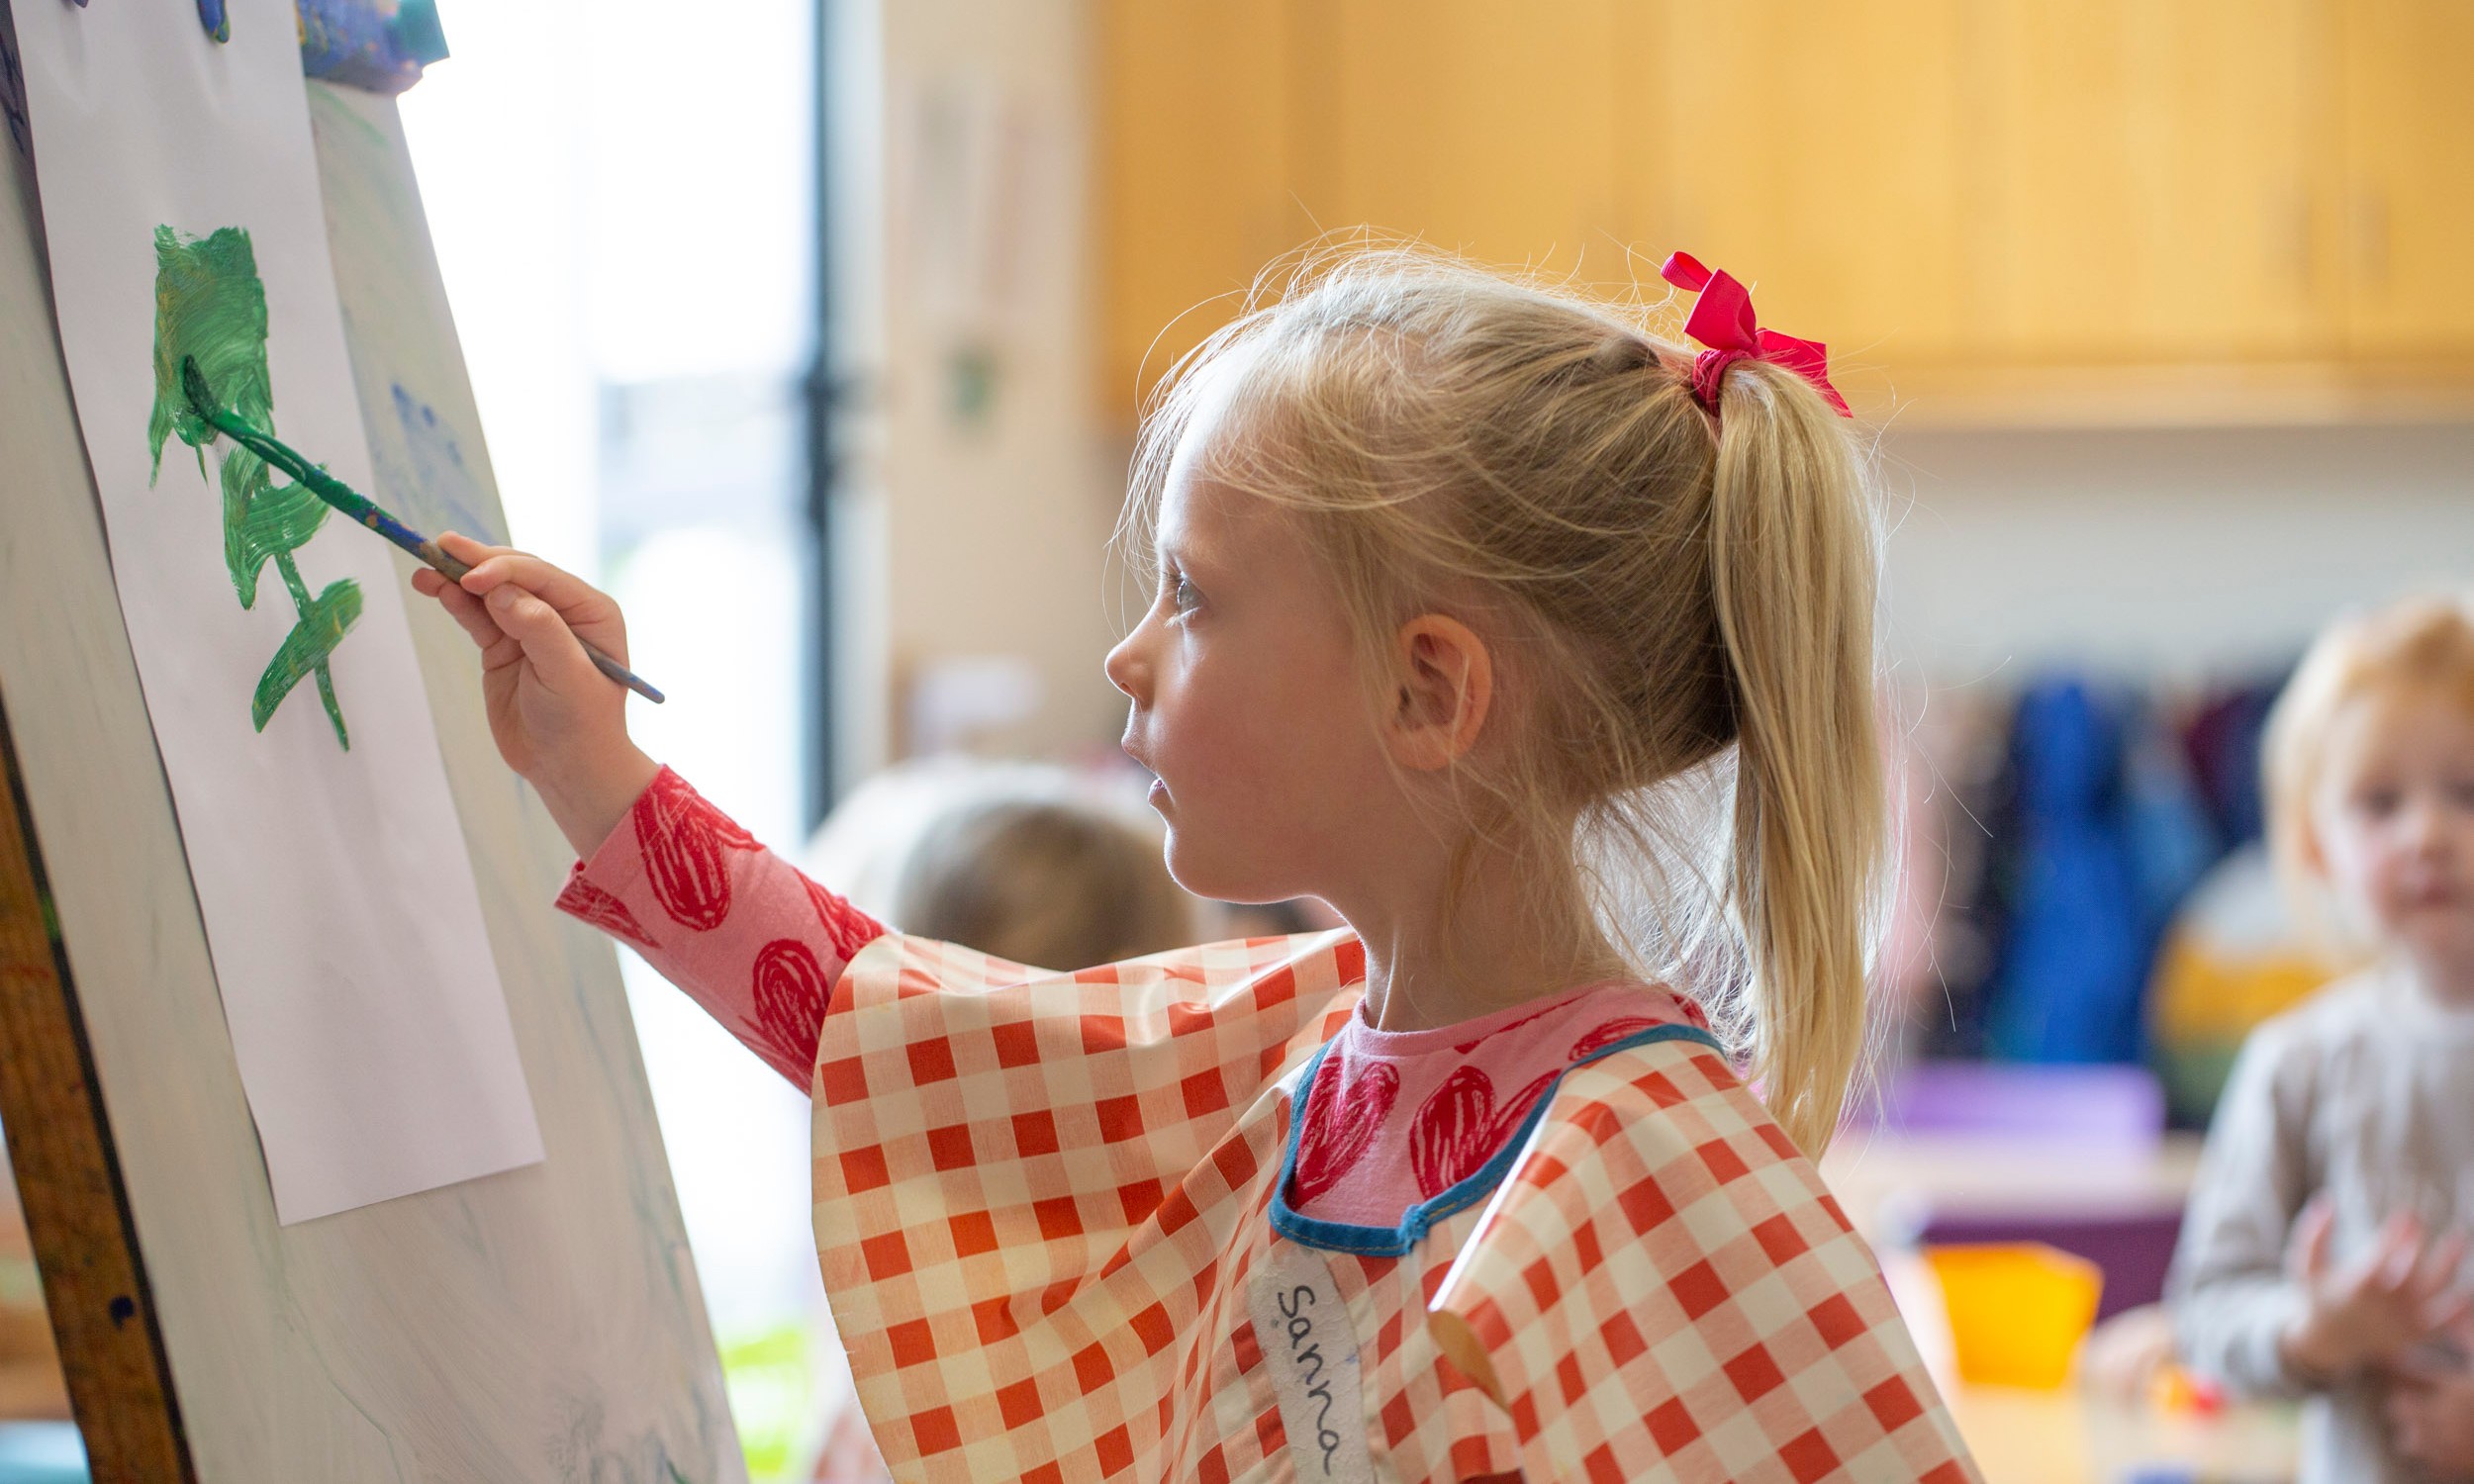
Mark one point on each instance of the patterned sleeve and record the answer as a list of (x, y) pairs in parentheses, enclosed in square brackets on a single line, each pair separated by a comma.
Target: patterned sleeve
[(742, 930), (1663, 1290)]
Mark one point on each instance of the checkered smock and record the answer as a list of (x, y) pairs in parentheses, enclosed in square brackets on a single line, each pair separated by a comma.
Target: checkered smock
[(1040, 1199)]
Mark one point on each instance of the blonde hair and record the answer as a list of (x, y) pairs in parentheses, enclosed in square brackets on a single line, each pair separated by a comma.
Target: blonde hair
[(2420, 641), (1671, 594), (1043, 882)]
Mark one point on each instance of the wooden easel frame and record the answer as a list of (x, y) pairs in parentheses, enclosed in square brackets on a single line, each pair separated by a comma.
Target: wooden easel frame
[(70, 1180)]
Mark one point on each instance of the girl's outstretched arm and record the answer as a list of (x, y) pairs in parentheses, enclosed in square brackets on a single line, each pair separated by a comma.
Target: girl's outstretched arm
[(752, 940), (742, 931)]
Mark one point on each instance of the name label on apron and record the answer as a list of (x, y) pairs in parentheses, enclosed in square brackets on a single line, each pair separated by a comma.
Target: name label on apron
[(1310, 1349)]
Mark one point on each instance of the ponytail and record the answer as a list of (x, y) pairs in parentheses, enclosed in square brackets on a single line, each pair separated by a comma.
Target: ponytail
[(1792, 558)]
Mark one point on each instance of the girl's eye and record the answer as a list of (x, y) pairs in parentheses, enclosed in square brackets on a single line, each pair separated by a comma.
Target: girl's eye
[(1183, 595), (2377, 803)]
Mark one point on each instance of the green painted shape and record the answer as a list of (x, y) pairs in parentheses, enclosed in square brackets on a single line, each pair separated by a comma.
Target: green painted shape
[(275, 522), (209, 304), (324, 623), (210, 307)]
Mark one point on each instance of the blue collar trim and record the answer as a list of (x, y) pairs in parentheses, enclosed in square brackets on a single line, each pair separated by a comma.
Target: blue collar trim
[(1396, 1242)]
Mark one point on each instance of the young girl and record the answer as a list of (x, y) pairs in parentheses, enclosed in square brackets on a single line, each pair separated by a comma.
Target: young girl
[(2324, 1251), (1459, 584)]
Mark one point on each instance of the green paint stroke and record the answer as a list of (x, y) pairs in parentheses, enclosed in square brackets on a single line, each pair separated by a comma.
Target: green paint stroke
[(305, 650), (209, 304)]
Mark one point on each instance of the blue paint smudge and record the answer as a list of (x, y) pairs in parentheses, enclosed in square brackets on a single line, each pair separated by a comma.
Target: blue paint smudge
[(445, 494), (13, 92)]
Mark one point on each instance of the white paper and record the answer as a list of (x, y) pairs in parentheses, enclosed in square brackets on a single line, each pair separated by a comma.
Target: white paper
[(365, 1010)]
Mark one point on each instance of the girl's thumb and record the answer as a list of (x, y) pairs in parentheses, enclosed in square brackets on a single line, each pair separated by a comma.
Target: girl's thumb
[(550, 646)]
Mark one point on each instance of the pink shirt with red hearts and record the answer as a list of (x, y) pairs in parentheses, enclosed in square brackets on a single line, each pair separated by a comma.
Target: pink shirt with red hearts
[(1399, 1117)]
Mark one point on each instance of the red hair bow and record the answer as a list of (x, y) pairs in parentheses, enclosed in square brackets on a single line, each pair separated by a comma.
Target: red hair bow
[(1722, 319)]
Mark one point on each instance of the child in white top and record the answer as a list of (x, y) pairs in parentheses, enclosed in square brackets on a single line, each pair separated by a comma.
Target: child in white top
[(2325, 1254), (1465, 587)]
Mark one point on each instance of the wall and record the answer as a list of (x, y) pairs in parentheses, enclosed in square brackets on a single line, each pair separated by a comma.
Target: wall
[(977, 497), (2168, 553)]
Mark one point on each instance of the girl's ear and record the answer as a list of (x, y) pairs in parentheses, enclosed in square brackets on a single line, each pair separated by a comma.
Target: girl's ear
[(1442, 691)]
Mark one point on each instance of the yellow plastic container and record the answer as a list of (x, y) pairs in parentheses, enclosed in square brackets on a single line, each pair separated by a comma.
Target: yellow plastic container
[(2016, 1310)]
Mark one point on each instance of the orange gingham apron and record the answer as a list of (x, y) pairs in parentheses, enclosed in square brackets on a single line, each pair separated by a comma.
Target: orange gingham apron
[(1039, 1201)]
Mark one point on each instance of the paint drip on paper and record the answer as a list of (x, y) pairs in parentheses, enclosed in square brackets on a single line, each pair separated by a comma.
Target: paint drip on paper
[(209, 304)]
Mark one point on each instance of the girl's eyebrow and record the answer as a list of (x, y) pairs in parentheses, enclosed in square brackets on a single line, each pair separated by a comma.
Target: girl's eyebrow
[(1182, 551)]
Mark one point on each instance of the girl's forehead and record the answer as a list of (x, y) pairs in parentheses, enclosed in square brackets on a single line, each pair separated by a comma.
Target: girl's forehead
[(1202, 517)]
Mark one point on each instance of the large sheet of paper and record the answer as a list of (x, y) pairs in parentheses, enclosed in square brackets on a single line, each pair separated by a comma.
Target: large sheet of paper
[(181, 205)]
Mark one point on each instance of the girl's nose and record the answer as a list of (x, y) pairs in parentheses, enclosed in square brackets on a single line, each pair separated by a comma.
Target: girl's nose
[(2424, 827), (1126, 669)]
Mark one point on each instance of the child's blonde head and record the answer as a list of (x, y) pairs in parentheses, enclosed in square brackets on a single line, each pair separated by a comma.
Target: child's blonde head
[(2422, 643), (1664, 589), (1050, 882), (1021, 861)]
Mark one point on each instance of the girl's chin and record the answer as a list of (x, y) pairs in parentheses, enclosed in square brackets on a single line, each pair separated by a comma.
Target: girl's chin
[(1194, 868)]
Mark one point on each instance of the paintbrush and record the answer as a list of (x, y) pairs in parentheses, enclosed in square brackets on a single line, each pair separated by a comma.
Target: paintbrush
[(357, 505)]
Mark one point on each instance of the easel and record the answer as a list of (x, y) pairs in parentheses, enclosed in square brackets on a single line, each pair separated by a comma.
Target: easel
[(60, 1148), (543, 1324)]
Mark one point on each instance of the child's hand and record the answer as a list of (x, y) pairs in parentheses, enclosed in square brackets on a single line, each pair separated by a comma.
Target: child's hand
[(2431, 1417), (2375, 1311), (557, 720)]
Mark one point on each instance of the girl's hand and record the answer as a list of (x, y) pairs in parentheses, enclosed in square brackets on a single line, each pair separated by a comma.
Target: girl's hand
[(2430, 1415), (2378, 1310), (557, 720)]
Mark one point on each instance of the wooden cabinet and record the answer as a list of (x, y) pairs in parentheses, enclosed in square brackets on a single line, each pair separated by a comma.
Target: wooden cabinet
[(1192, 136), (1818, 152), (2408, 197), (1990, 208), (1232, 134), (2153, 181), (1476, 125)]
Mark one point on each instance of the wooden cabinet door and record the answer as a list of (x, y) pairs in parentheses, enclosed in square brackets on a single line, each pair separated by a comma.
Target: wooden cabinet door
[(1816, 152), (1193, 191), (1473, 126), (2154, 178), (2409, 197)]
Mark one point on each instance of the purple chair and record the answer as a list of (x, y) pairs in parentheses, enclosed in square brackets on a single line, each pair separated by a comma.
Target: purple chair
[(2078, 1105)]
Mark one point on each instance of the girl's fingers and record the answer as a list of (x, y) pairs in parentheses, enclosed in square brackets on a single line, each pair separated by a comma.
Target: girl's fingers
[(2447, 1312), (575, 598), (2440, 1265), (551, 647), (469, 551), (2400, 1252), (466, 610)]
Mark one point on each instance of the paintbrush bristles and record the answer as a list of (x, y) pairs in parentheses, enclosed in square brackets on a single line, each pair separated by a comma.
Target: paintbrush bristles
[(201, 396)]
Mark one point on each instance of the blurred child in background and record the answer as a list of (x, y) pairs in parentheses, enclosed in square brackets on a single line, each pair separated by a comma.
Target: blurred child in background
[(1027, 862), (2325, 1253)]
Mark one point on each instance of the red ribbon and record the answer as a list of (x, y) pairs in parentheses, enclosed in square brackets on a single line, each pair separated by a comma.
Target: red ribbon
[(1722, 319)]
